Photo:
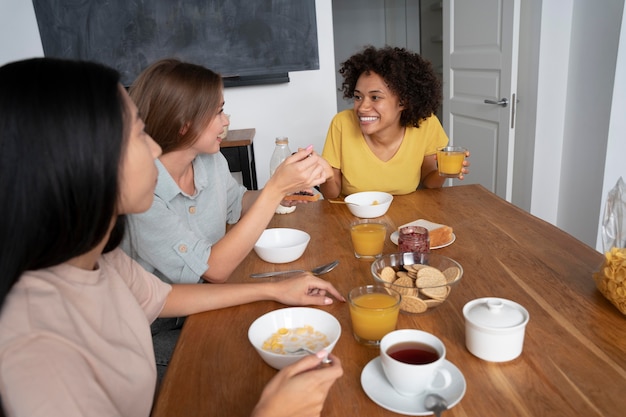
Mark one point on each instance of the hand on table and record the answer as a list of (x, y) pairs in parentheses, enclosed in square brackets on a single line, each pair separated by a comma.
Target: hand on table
[(306, 289), (299, 389)]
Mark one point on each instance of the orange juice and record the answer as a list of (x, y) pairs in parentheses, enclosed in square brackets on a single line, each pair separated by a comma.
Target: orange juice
[(450, 161), (374, 314), (368, 239)]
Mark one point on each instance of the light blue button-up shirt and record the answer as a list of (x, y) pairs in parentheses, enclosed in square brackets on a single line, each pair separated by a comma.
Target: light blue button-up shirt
[(173, 238)]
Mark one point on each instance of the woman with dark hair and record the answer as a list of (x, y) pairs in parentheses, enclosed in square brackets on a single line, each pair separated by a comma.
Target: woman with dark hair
[(74, 309), (388, 141), (182, 238)]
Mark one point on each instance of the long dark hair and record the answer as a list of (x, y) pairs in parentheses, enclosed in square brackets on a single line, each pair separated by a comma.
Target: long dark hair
[(62, 134)]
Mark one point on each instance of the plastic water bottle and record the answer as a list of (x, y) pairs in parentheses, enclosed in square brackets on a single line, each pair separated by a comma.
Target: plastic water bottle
[(281, 152)]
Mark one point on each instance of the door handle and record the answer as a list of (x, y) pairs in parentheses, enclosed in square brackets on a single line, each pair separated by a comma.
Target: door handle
[(502, 102)]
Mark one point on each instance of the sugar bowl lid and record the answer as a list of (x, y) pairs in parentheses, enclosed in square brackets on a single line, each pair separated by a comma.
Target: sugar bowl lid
[(495, 313)]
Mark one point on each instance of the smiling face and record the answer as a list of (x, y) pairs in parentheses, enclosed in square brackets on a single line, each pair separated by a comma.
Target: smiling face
[(375, 105), (209, 139), (138, 173)]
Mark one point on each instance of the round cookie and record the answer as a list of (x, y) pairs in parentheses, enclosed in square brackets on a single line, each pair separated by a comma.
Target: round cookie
[(436, 293), (404, 285), (451, 274), (432, 302), (432, 283), (388, 274), (412, 304)]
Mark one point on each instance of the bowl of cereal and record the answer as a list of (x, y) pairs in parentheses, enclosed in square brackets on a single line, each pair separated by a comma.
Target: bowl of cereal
[(369, 204), (276, 334), (425, 280)]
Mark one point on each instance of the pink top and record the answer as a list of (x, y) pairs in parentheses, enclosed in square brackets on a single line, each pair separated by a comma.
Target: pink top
[(76, 342)]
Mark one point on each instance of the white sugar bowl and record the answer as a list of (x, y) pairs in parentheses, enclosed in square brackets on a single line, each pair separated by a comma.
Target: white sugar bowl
[(494, 328)]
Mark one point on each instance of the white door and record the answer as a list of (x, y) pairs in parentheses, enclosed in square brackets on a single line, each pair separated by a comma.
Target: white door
[(480, 46)]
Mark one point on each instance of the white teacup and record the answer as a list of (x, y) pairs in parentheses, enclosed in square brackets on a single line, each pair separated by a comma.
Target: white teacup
[(412, 360)]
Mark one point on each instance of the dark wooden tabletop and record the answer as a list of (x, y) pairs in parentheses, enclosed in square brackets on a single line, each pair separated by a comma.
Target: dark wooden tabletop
[(574, 357)]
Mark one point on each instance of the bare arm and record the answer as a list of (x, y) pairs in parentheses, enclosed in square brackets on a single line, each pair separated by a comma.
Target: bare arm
[(297, 173), (332, 187), (430, 175), (305, 289)]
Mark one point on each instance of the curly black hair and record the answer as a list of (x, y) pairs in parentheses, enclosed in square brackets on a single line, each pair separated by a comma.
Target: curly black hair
[(406, 73)]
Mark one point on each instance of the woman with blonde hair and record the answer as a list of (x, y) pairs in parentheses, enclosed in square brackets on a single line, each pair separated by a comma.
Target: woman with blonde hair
[(182, 237)]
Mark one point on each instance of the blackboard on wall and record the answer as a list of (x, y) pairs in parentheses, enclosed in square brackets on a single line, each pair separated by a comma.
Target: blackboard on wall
[(249, 41)]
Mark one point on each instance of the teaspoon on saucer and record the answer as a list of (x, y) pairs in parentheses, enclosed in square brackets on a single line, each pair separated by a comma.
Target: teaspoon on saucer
[(435, 403)]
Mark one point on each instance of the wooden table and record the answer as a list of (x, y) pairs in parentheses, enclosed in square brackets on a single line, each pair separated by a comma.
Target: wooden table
[(574, 358), (238, 149)]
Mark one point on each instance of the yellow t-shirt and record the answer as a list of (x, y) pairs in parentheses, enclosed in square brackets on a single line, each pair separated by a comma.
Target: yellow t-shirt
[(346, 149)]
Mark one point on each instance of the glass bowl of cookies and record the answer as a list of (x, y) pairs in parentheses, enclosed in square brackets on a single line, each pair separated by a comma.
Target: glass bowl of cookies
[(425, 280)]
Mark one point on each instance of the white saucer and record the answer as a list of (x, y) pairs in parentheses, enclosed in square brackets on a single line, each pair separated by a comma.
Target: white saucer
[(394, 239), (379, 390)]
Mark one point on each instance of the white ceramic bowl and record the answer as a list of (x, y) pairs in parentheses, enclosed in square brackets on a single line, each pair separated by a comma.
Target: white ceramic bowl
[(494, 328), (291, 318), (281, 245), (369, 204)]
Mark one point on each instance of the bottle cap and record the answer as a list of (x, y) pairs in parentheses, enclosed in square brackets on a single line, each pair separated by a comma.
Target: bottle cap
[(282, 140)]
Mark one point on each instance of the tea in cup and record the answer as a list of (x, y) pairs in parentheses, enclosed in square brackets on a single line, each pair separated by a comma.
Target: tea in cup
[(368, 238), (450, 161), (374, 312), (412, 360)]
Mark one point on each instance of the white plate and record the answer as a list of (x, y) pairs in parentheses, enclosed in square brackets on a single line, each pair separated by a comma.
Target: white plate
[(394, 239), (428, 225), (379, 390)]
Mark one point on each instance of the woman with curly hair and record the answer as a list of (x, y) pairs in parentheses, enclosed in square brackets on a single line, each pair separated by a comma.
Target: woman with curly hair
[(388, 141)]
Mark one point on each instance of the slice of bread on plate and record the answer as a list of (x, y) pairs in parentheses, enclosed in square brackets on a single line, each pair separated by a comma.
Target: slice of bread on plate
[(302, 196), (439, 234)]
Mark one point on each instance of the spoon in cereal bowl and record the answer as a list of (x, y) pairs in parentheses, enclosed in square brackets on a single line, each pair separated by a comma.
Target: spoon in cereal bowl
[(307, 351)]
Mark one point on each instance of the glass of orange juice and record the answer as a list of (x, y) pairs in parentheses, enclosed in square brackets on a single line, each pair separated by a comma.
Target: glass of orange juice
[(368, 238), (374, 311), (450, 161)]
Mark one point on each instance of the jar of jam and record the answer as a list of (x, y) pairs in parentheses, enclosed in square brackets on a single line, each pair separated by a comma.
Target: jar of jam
[(413, 239)]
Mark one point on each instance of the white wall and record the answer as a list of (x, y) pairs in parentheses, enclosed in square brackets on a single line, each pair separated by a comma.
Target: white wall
[(556, 21), (301, 109), (576, 92), (19, 35), (616, 146)]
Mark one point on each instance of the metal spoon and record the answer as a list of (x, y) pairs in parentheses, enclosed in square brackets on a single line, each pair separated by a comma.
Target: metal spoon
[(318, 270), (343, 202), (435, 403), (308, 351)]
